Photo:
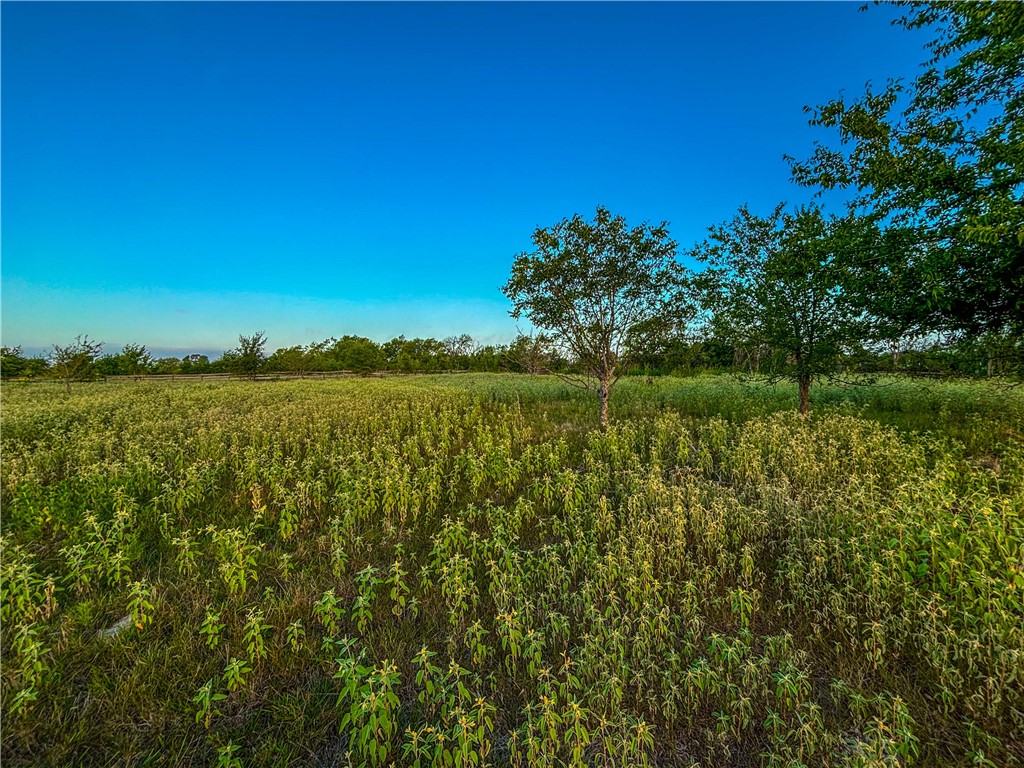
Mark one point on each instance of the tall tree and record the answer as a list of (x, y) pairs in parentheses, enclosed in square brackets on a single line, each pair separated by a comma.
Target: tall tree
[(601, 291), (942, 161), (783, 283)]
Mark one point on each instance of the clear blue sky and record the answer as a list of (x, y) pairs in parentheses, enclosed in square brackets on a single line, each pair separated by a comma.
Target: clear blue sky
[(175, 174)]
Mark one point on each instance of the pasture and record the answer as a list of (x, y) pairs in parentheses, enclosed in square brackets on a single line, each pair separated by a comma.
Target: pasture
[(466, 571)]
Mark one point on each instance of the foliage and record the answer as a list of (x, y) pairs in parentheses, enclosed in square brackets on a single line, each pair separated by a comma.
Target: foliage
[(409, 355), (133, 360), (532, 354), (166, 366), (601, 291), (76, 361), (459, 347), (985, 355), (353, 353), (194, 363), (249, 357), (13, 364), (940, 160), (294, 359)]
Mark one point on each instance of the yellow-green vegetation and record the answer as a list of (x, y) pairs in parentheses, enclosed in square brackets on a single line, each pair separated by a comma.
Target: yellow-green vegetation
[(464, 571)]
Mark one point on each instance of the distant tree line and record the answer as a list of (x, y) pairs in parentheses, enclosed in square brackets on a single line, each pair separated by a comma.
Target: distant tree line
[(84, 360), (681, 355)]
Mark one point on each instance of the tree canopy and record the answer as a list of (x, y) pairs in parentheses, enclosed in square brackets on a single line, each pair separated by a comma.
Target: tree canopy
[(941, 162)]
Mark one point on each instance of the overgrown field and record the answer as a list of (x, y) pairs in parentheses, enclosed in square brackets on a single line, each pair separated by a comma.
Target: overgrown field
[(464, 571)]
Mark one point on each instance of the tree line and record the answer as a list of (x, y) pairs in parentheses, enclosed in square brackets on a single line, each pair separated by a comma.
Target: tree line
[(83, 359), (685, 355)]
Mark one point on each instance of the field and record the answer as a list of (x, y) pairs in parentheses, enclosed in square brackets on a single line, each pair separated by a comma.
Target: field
[(465, 571)]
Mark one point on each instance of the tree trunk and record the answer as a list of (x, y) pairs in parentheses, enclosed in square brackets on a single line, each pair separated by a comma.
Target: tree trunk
[(603, 393), (805, 394)]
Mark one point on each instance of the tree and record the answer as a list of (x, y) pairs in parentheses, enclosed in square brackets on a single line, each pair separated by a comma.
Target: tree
[(294, 359), (194, 363), (357, 354), (133, 360), (783, 283), (409, 355), (167, 366), (459, 348), (14, 365), (487, 358), (137, 359), (75, 362), (249, 357), (601, 291), (530, 353), (685, 354), (941, 161)]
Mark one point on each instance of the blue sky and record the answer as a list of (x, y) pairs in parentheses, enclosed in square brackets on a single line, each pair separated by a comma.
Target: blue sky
[(175, 174)]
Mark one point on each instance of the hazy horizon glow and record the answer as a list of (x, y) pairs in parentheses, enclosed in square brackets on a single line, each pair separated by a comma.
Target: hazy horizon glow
[(175, 174)]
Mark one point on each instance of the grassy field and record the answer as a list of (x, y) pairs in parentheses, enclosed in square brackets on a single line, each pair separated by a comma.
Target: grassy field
[(464, 571)]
